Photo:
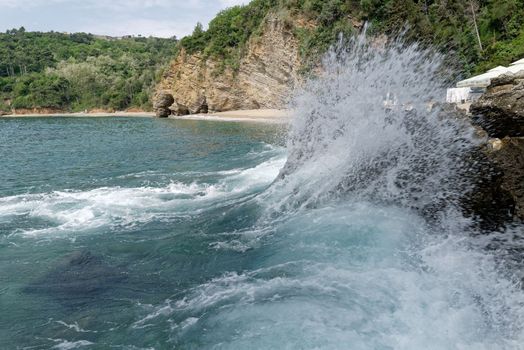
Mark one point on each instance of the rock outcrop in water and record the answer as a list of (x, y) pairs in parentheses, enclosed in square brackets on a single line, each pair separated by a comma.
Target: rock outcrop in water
[(265, 77), (508, 154), (500, 112), (161, 104)]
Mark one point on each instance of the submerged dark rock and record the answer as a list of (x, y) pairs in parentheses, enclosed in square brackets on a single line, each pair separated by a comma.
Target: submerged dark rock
[(79, 275)]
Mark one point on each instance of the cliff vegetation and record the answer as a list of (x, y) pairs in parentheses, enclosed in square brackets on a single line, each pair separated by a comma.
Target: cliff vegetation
[(481, 33), (247, 56)]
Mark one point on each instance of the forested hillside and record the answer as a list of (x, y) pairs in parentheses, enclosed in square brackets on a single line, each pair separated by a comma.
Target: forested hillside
[(74, 72), (81, 71), (479, 34)]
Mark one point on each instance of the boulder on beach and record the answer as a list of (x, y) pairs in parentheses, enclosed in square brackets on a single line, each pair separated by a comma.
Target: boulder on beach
[(179, 109), (162, 112), (500, 111), (161, 103)]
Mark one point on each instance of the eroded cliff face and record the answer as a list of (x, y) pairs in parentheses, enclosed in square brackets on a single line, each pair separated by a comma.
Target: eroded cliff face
[(267, 73)]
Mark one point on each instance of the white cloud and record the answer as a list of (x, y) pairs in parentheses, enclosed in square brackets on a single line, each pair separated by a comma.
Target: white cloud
[(112, 17), (104, 4), (26, 4), (229, 3), (144, 27)]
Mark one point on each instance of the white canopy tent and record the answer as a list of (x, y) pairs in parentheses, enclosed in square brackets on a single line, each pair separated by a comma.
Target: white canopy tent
[(483, 80), (521, 61), (515, 68), (472, 88)]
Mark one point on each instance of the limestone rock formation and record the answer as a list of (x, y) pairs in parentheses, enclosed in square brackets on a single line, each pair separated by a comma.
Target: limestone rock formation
[(202, 108), (179, 109), (265, 77), (161, 104), (500, 111)]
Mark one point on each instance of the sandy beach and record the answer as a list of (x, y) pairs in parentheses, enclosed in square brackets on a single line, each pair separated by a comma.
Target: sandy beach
[(254, 115)]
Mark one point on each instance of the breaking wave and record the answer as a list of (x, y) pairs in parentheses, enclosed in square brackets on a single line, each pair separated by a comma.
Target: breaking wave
[(355, 239), (119, 207), (362, 244)]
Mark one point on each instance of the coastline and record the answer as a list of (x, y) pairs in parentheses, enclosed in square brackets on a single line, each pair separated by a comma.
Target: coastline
[(81, 115), (274, 116)]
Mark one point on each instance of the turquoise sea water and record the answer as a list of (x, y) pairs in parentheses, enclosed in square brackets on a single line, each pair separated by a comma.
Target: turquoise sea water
[(137, 233)]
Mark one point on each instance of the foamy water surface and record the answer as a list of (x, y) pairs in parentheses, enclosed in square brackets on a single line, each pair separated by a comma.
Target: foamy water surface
[(160, 234)]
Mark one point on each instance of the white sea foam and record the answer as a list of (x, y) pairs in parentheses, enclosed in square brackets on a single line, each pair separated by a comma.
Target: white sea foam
[(359, 275), (74, 326), (68, 345), (120, 207), (348, 256)]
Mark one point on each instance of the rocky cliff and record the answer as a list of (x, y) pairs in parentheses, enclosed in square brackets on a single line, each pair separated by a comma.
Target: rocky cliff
[(266, 73), (269, 69), (500, 112)]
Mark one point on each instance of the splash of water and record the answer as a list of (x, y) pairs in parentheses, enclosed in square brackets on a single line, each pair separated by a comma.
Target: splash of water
[(370, 127), (347, 263)]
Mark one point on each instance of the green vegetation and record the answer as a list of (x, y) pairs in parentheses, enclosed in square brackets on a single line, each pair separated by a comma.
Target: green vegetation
[(79, 71), (453, 27), (228, 32), (448, 25)]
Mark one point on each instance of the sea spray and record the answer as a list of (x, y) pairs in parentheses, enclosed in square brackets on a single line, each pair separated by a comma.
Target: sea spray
[(371, 127), (366, 247), (336, 254)]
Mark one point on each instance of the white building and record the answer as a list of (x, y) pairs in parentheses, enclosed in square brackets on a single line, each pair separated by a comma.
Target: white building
[(472, 88)]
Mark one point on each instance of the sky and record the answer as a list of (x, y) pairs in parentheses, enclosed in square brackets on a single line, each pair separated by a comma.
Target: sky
[(162, 18)]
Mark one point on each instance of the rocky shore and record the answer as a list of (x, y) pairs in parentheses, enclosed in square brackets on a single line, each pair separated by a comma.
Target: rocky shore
[(500, 113), (164, 105)]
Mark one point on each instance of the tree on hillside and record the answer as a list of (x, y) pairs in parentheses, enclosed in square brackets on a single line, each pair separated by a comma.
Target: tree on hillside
[(474, 8)]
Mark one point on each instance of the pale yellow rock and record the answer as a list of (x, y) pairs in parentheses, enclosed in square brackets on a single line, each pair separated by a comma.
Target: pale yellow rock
[(267, 74), (495, 144)]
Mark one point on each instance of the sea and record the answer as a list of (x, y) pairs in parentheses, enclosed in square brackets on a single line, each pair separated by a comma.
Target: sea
[(143, 233)]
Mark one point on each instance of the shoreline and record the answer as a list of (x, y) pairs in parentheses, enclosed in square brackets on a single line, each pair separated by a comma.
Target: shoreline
[(82, 115), (273, 116)]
